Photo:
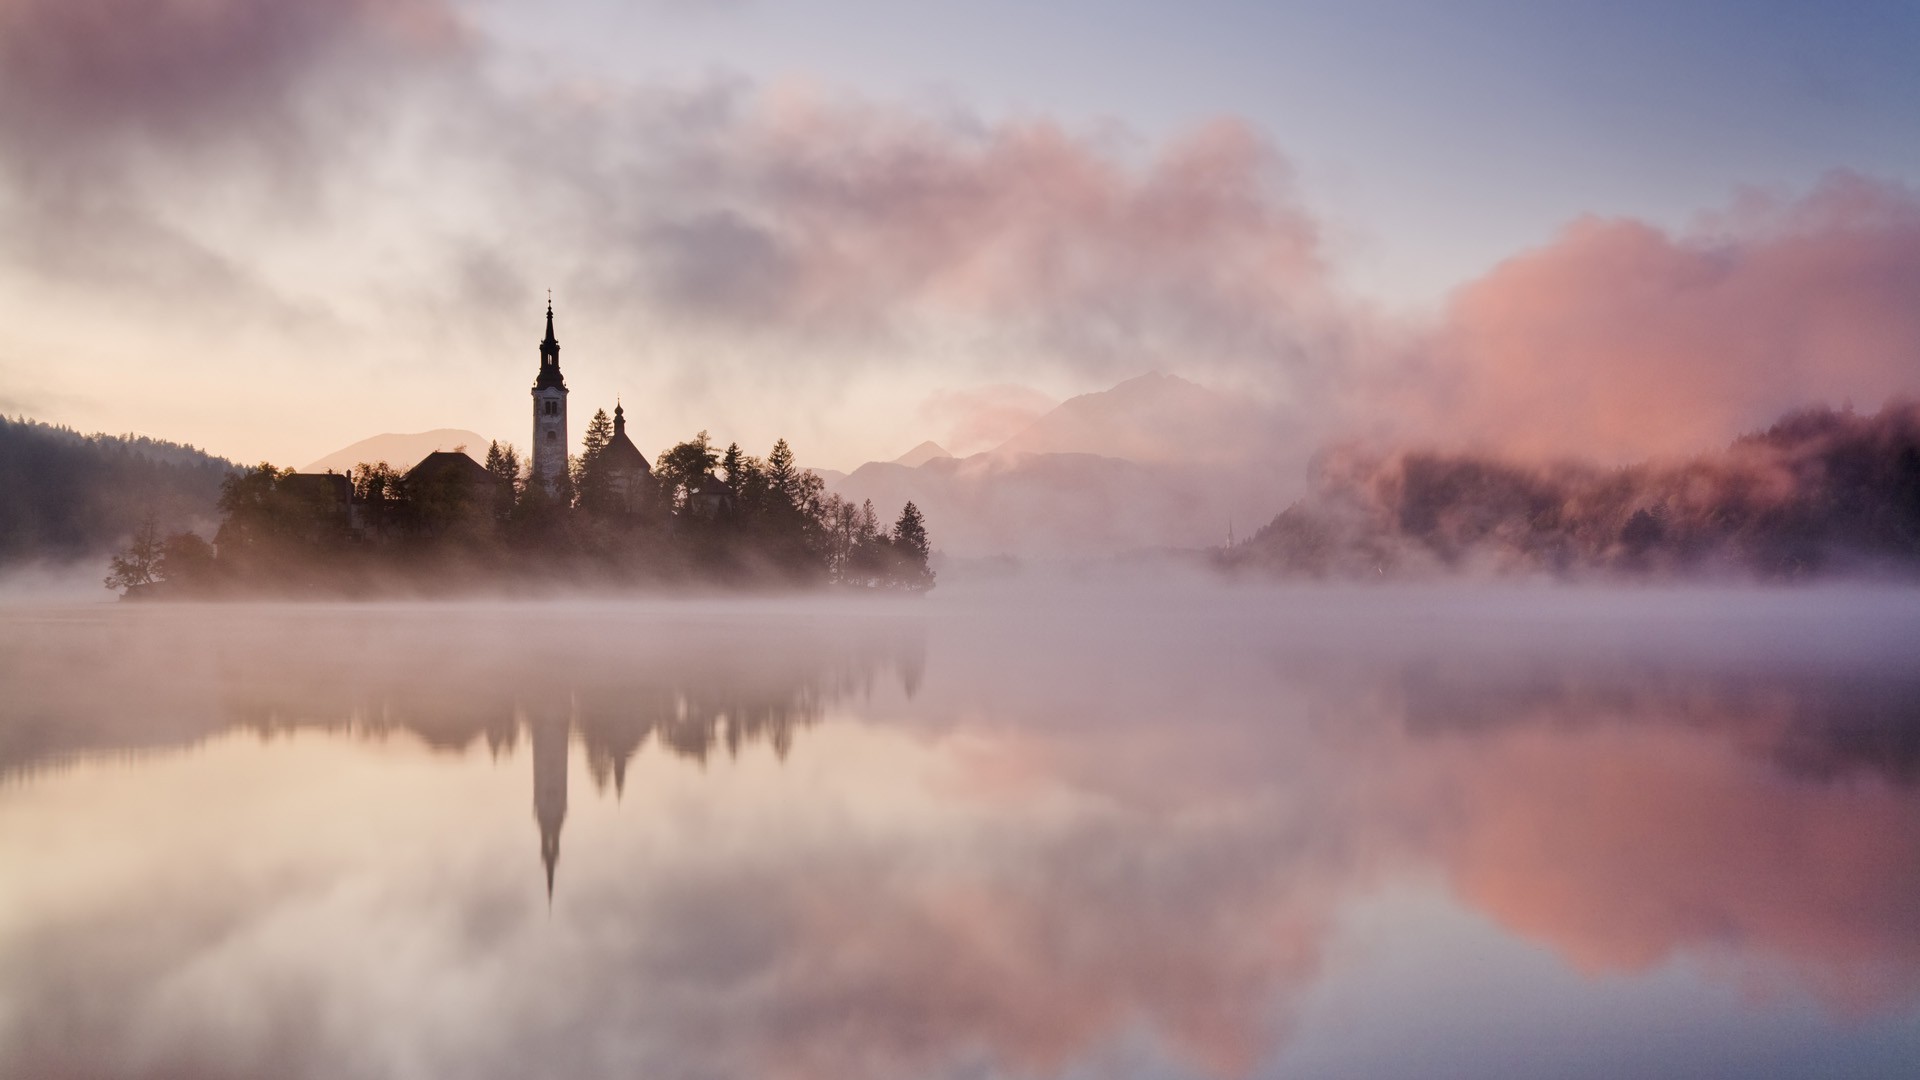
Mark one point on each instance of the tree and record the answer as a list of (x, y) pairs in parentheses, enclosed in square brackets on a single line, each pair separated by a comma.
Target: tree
[(868, 554), (680, 468), (749, 484), (253, 512), (136, 569), (783, 478), (590, 479), (911, 550), (186, 561), (503, 461), (377, 488)]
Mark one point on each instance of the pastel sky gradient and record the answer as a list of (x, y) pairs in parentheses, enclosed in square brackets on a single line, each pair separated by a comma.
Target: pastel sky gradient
[(275, 228)]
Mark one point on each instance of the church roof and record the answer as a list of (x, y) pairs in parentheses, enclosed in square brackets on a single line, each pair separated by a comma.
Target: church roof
[(449, 465), (621, 452)]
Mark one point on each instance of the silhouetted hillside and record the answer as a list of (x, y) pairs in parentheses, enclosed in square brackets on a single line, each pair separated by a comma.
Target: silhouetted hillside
[(1819, 492), (67, 495)]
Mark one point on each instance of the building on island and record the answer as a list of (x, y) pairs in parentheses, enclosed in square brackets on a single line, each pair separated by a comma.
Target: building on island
[(629, 477), (710, 497)]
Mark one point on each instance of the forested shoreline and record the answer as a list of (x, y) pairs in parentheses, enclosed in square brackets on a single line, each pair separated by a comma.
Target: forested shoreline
[(1820, 493), (66, 497)]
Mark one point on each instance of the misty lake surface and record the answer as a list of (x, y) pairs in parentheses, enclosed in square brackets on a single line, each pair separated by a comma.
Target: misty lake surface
[(1152, 831)]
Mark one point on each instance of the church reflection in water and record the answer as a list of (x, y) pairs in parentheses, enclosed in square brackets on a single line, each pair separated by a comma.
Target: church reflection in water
[(703, 693), (699, 688)]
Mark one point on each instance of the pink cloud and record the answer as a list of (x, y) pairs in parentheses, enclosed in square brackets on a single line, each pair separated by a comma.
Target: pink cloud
[(1622, 340)]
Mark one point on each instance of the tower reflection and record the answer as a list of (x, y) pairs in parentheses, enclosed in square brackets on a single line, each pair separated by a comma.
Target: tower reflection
[(549, 738)]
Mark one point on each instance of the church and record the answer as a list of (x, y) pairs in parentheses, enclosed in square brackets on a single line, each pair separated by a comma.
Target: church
[(630, 478)]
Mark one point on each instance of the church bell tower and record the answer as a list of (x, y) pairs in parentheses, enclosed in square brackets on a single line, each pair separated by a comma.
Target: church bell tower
[(549, 414)]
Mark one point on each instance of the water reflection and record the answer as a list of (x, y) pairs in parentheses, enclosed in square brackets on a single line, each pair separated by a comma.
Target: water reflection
[(1222, 842)]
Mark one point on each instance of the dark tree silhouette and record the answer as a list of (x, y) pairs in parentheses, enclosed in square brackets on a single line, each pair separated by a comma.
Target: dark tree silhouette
[(137, 568), (67, 495), (681, 468), (911, 550), (1821, 491), (593, 487)]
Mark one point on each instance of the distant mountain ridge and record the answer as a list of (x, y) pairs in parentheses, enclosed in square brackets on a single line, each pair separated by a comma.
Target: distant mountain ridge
[(1156, 461), (402, 451)]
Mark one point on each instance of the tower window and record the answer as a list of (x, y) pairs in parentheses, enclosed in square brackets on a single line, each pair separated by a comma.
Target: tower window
[(553, 436)]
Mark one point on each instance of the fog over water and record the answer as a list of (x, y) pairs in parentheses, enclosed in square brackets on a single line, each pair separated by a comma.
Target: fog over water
[(1075, 827)]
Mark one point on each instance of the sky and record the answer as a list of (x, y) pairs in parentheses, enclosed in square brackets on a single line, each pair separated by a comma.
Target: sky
[(1614, 229)]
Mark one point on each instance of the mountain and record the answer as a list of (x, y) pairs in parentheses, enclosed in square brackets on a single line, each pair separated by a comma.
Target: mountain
[(1154, 462), (402, 451), (1064, 505), (920, 455), (67, 495), (1152, 418)]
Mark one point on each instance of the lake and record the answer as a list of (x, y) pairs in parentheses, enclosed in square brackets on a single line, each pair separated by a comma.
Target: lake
[(1083, 830)]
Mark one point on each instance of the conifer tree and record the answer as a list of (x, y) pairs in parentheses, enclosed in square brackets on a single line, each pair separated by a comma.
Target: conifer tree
[(868, 549), (911, 550), (590, 481), (503, 461), (783, 479)]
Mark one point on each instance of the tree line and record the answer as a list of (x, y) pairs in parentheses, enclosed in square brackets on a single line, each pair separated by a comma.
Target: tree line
[(702, 515), (1820, 492), (67, 496)]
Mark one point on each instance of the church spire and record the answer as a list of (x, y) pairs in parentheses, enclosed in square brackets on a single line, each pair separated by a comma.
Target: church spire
[(550, 354)]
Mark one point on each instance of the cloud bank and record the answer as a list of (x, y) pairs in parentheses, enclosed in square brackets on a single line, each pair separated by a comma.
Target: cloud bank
[(1620, 340)]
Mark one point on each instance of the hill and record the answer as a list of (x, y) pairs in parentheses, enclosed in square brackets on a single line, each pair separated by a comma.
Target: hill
[(1063, 505), (920, 455), (64, 495), (1820, 492), (402, 451), (1154, 462)]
